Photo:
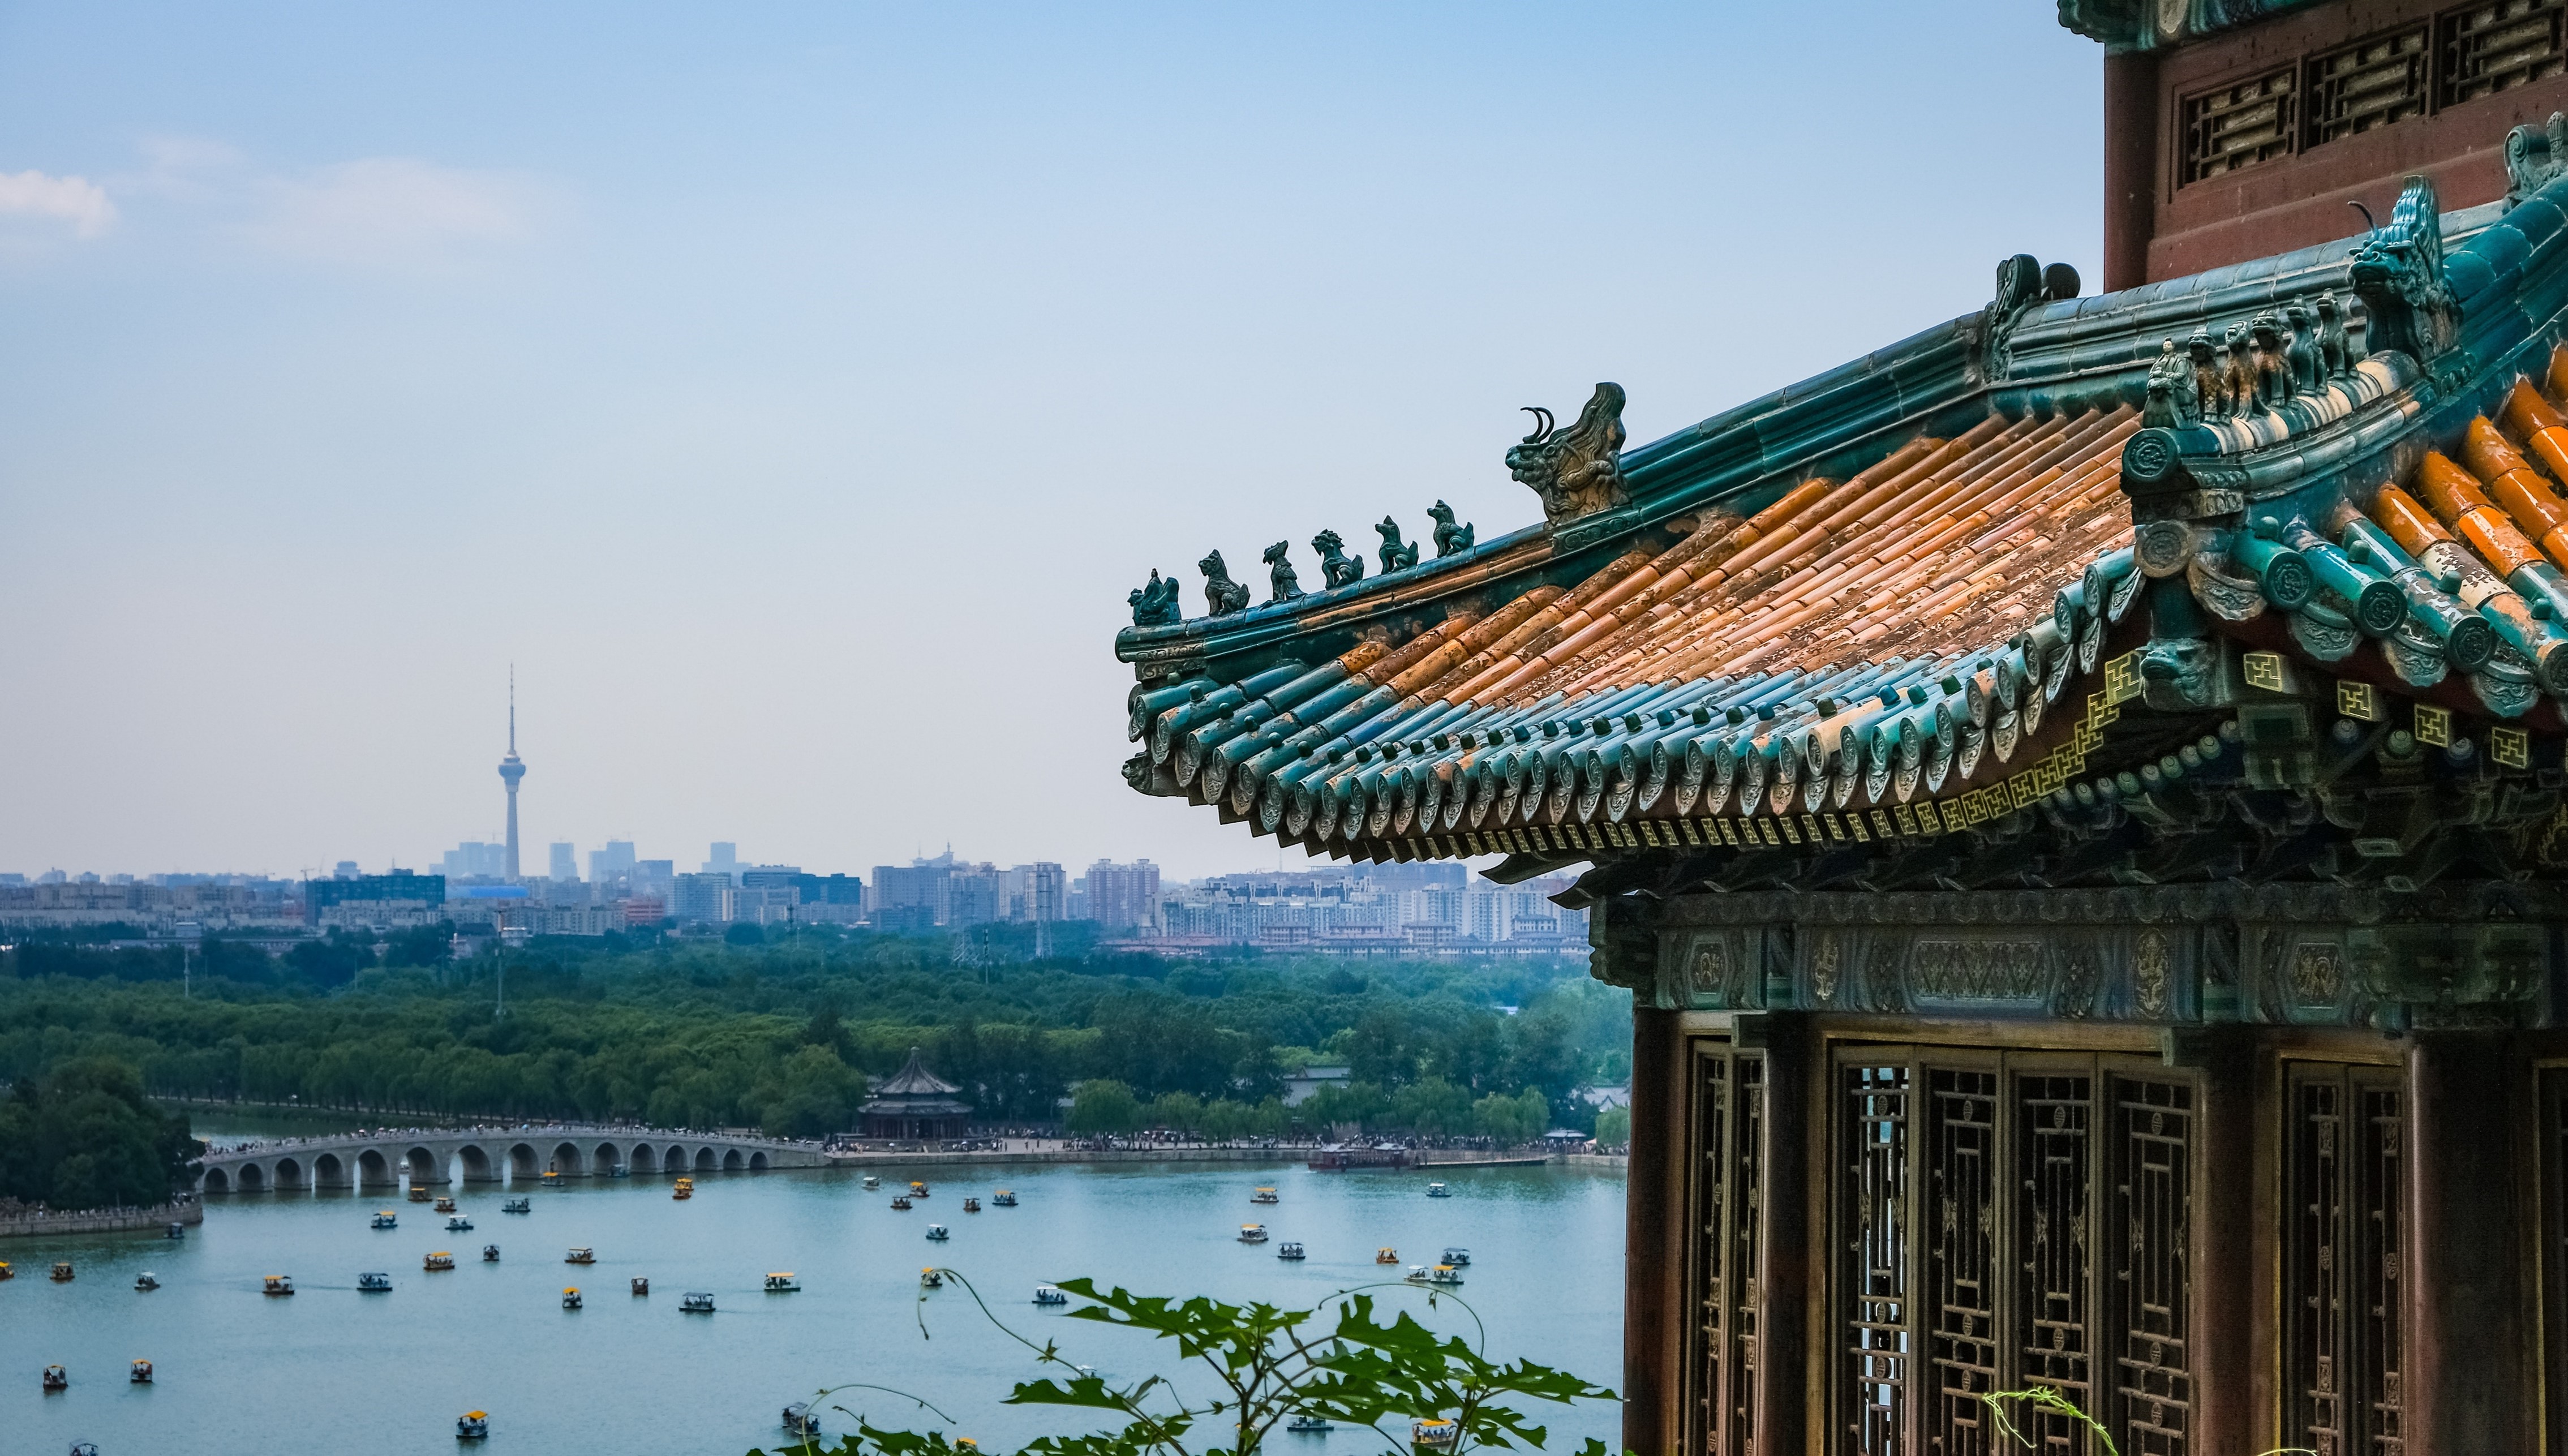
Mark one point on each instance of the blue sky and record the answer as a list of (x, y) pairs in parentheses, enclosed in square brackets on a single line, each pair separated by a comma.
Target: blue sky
[(794, 392)]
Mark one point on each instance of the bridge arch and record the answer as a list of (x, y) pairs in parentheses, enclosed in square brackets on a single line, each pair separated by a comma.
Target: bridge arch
[(704, 1160), (605, 1160), (757, 1161), (675, 1161), (371, 1169), (478, 1167), (732, 1162), (424, 1167), (525, 1163), (218, 1181), (329, 1170), (567, 1162), (642, 1160), (289, 1174), (253, 1177)]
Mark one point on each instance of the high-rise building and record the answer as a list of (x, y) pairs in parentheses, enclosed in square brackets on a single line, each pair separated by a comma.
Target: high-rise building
[(511, 770), (347, 870), (614, 862), (725, 860), (1124, 896), (707, 897), (1037, 892), (566, 863)]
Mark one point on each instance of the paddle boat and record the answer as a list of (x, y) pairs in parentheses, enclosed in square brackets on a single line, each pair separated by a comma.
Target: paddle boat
[(56, 1378), (696, 1304), (519, 1205), (900, 1201), (1306, 1424), (1252, 1232), (458, 1225), (138, 1373), (1264, 1195), (917, 1188), (374, 1284), (419, 1193), (937, 1234), (1443, 1274), (619, 1171), (279, 1286), (146, 1282), (1458, 1257), (971, 1205), (63, 1271), (782, 1284), (84, 1448), (438, 1261), (473, 1425), (1050, 1295), (551, 1179), (929, 1279), (446, 1205), (387, 1220), (800, 1421), (1003, 1199), (570, 1298), (6, 1272), (173, 1231), (1438, 1190), (1433, 1434), (641, 1286), (1288, 1251), (1386, 1255), (683, 1189), (489, 1254), (873, 1182), (581, 1256)]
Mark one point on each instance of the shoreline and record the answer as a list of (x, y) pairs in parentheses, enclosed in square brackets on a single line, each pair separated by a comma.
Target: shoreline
[(101, 1220)]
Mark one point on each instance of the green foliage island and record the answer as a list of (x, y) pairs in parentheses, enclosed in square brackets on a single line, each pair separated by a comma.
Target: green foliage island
[(83, 1135), (781, 1031)]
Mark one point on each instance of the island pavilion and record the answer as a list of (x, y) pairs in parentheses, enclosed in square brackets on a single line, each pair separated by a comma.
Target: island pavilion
[(2076, 793)]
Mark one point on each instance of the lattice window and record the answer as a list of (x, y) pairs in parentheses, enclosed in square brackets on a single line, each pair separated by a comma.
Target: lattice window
[(1729, 1169), (2238, 126), (2498, 46), (1875, 1142), (2053, 1155), (2554, 1261), (2153, 1407), (1961, 1272), (2346, 1185), (2369, 84)]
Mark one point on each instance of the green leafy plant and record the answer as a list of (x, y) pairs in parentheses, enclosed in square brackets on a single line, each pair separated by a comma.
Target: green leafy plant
[(1340, 1362), (2046, 1398)]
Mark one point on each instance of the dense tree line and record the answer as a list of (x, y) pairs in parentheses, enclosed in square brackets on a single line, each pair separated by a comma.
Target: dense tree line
[(85, 1135), (782, 1033)]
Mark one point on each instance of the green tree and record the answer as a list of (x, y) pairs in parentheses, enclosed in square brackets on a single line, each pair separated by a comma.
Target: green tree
[(1101, 1105), (1614, 1127), (85, 1137), (1432, 1106), (1177, 1111), (1511, 1120)]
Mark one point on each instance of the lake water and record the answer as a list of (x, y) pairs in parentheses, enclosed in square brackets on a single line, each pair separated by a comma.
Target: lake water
[(334, 1369)]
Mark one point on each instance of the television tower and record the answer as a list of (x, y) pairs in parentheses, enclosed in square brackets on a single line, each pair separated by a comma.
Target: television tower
[(511, 770)]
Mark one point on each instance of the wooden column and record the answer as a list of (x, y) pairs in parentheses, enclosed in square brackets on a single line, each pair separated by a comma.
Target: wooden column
[(2472, 1385), (2130, 166), (1653, 1261), (1788, 1366), (2223, 1356)]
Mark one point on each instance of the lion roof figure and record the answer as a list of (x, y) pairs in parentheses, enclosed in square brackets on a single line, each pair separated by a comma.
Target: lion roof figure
[(1337, 569), (1220, 592)]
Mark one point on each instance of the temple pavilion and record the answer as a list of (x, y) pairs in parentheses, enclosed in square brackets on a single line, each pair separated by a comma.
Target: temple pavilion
[(916, 1104), (2074, 793)]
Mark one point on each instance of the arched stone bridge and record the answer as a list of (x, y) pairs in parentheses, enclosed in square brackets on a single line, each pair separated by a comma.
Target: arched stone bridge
[(439, 1157)]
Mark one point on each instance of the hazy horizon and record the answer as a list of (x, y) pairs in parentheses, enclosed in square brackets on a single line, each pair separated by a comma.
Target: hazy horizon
[(792, 393)]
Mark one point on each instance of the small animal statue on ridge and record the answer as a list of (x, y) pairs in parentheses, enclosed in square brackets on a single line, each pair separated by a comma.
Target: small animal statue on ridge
[(1575, 470), (2274, 383), (1155, 603), (1223, 594), (2301, 349), (1397, 554), (1336, 566), (2238, 377), (2210, 396), (1450, 537), (2335, 352), (1287, 585), (2171, 400)]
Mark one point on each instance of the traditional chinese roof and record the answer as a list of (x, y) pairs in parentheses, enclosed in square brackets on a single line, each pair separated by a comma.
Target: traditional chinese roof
[(913, 1081), (2034, 596)]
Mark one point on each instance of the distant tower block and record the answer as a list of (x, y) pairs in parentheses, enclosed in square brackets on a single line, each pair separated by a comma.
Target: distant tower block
[(511, 770)]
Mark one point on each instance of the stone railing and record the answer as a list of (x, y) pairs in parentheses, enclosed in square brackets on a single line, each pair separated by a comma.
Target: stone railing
[(30, 1223)]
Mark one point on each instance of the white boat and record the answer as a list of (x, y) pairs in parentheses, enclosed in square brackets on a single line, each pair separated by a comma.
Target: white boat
[(581, 1256), (1252, 1232), (800, 1420), (279, 1283), (139, 1372), (1050, 1295), (1443, 1274), (696, 1304), (937, 1234), (1438, 1190), (929, 1279), (782, 1284), (473, 1425), (519, 1205), (1264, 1195), (374, 1284), (1288, 1251), (458, 1225), (146, 1281), (1307, 1424), (489, 1254), (873, 1182), (1458, 1257), (386, 1220)]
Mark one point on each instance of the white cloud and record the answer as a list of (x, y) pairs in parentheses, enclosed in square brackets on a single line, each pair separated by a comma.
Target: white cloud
[(76, 200), (393, 210)]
